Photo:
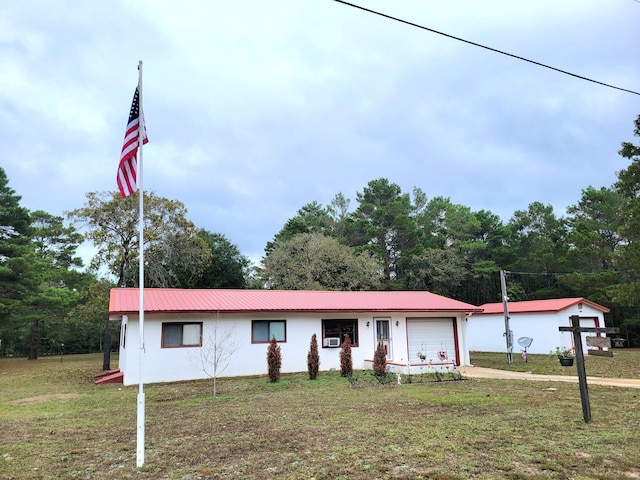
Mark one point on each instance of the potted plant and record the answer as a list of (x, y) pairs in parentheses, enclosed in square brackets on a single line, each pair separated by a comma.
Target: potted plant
[(565, 355)]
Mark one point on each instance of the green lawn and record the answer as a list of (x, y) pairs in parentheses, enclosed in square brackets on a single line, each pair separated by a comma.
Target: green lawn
[(56, 423)]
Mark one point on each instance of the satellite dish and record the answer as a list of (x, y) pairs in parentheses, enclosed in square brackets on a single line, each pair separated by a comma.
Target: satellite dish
[(525, 342)]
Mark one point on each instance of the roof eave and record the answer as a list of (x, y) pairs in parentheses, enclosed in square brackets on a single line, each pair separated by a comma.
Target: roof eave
[(276, 311), (511, 312)]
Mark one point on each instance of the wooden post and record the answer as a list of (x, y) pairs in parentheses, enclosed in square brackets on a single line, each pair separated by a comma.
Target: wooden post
[(582, 374)]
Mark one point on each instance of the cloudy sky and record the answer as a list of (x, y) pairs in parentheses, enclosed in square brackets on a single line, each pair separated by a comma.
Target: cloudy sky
[(255, 108)]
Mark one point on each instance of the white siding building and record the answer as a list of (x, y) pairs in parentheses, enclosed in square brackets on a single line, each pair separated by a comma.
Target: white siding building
[(537, 319), (182, 327)]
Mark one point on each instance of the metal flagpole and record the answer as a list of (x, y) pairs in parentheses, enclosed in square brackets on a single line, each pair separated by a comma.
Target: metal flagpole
[(140, 423)]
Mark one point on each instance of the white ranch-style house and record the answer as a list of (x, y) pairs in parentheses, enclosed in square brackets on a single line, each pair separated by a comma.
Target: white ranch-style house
[(181, 327), (536, 319)]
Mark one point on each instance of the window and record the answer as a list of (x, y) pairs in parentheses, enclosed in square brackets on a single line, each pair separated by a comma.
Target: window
[(181, 335), (340, 329), (262, 331), (123, 334)]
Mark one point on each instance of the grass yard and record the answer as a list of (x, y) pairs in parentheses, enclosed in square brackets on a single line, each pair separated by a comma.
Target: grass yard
[(56, 424)]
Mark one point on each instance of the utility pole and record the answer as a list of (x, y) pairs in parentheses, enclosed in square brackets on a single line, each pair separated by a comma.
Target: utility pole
[(507, 331)]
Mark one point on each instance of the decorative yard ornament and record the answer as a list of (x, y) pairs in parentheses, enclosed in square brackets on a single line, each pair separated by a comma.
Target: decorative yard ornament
[(525, 342)]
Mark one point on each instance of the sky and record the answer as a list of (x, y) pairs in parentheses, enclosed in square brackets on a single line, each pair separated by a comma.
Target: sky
[(254, 109)]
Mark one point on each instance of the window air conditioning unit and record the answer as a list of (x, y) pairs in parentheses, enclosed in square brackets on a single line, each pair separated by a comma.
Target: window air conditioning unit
[(331, 342)]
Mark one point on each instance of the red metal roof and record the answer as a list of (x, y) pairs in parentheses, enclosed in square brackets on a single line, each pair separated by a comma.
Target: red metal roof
[(173, 300), (538, 306)]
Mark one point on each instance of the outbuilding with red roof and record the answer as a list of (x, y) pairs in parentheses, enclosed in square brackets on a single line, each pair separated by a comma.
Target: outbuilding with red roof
[(536, 319), (185, 329)]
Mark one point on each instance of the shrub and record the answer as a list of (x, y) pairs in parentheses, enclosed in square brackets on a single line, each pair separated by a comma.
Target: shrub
[(313, 358), (380, 362), (346, 362), (274, 360)]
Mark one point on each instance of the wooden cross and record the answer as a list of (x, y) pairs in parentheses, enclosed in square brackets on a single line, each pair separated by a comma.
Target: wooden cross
[(582, 374)]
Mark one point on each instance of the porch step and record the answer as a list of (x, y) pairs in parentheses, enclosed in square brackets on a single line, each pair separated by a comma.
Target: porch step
[(109, 376)]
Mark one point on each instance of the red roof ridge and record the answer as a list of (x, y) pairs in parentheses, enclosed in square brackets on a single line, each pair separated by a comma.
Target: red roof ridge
[(545, 305), (173, 300)]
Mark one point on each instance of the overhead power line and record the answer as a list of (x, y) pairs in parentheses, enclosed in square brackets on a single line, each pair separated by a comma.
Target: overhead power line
[(389, 17), (558, 274)]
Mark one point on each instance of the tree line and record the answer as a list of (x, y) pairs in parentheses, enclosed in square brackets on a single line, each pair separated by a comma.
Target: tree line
[(394, 240), (390, 240), (50, 303)]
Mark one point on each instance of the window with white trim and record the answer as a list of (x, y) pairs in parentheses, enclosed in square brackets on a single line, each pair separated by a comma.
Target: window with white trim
[(179, 334), (340, 328)]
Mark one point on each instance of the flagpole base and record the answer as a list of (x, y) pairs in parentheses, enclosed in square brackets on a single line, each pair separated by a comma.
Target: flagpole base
[(140, 432)]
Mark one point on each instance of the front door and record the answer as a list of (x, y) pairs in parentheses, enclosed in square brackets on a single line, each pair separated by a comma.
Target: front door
[(383, 334)]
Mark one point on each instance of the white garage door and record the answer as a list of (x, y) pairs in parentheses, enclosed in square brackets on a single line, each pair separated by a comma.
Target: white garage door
[(430, 336)]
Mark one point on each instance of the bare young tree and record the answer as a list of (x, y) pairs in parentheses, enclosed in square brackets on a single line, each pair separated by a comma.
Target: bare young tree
[(218, 347)]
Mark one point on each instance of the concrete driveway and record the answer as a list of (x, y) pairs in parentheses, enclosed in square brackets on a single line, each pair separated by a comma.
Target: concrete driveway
[(480, 372)]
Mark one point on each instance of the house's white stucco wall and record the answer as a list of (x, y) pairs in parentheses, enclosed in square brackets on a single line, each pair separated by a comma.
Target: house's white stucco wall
[(174, 364), (485, 333)]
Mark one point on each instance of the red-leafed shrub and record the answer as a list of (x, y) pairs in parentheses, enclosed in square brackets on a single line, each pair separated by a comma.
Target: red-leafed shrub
[(346, 362), (313, 358), (274, 360), (380, 361)]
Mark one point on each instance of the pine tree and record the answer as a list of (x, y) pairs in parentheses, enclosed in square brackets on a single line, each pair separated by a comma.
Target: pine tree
[(15, 235), (274, 360), (346, 362), (19, 279), (313, 358)]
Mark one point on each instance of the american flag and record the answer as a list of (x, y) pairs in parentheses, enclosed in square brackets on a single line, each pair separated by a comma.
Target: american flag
[(127, 169)]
